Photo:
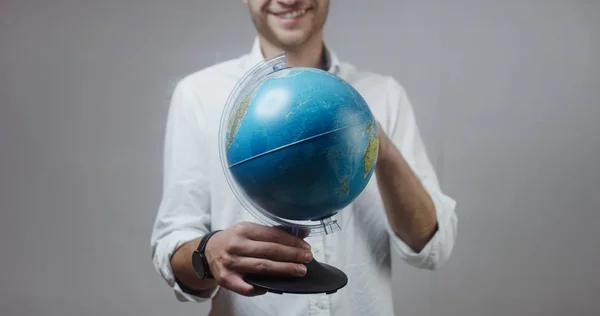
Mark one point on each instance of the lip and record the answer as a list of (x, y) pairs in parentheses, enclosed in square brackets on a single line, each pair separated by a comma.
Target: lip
[(279, 15), (289, 10)]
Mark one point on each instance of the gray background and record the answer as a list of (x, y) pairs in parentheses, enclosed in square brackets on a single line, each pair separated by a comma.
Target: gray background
[(506, 94)]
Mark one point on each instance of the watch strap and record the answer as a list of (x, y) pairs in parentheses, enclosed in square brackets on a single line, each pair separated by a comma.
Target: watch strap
[(200, 252)]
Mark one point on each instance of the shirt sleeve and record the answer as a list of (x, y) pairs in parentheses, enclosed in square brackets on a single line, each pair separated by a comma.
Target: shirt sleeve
[(184, 210), (404, 133)]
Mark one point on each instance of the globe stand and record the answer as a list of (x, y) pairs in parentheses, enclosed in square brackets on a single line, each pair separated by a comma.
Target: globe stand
[(319, 278)]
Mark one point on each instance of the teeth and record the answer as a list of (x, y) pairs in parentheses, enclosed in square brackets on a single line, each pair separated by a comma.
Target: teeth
[(293, 14)]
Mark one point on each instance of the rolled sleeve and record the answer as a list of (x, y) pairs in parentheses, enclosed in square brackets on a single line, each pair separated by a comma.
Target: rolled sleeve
[(165, 248), (181, 219), (437, 251)]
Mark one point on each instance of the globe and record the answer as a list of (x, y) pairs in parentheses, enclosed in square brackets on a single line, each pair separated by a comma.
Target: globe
[(301, 143)]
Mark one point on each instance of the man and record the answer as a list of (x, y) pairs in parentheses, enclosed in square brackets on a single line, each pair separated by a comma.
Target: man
[(402, 209)]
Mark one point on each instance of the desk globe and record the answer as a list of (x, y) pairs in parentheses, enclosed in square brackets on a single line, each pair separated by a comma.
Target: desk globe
[(297, 145)]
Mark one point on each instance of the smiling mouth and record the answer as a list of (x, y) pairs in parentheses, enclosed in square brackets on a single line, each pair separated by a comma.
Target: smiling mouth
[(292, 14)]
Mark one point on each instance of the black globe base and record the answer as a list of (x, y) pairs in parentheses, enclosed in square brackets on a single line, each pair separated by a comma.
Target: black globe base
[(319, 278)]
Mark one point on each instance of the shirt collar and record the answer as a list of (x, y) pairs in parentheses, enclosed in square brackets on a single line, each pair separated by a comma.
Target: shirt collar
[(255, 56)]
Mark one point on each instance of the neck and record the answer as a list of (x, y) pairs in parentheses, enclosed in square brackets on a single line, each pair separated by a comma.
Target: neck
[(307, 55)]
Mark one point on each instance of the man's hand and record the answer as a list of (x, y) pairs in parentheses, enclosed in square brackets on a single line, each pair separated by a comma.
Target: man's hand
[(248, 248), (384, 143)]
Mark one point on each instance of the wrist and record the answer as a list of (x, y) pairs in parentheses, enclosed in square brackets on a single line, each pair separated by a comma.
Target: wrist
[(200, 261), (383, 144), (210, 246), (384, 151)]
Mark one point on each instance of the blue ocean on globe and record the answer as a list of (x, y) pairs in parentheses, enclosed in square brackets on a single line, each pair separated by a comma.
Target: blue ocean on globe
[(302, 144)]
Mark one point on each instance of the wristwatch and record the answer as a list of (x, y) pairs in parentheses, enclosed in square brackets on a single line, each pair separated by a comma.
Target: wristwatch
[(199, 262)]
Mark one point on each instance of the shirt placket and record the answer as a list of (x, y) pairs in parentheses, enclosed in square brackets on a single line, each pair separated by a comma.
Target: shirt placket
[(319, 304)]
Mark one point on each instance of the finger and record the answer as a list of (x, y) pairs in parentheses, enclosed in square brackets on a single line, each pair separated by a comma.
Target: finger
[(272, 234), (273, 251), (304, 232), (235, 283), (249, 265), (300, 232)]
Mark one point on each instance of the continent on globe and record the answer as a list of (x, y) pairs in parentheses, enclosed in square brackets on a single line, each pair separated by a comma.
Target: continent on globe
[(301, 144), (238, 114), (372, 149)]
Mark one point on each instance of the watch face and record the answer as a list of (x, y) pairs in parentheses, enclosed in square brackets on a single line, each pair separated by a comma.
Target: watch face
[(197, 264)]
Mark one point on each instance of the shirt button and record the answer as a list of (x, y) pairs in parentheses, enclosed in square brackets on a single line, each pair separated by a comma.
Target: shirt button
[(320, 305)]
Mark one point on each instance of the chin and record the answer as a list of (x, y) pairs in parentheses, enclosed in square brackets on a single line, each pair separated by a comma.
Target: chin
[(291, 39)]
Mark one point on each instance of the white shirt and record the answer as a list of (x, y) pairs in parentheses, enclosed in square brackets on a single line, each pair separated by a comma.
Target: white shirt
[(197, 198)]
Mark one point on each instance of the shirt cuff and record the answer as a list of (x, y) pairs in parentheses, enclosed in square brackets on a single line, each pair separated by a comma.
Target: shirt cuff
[(165, 249), (437, 251)]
